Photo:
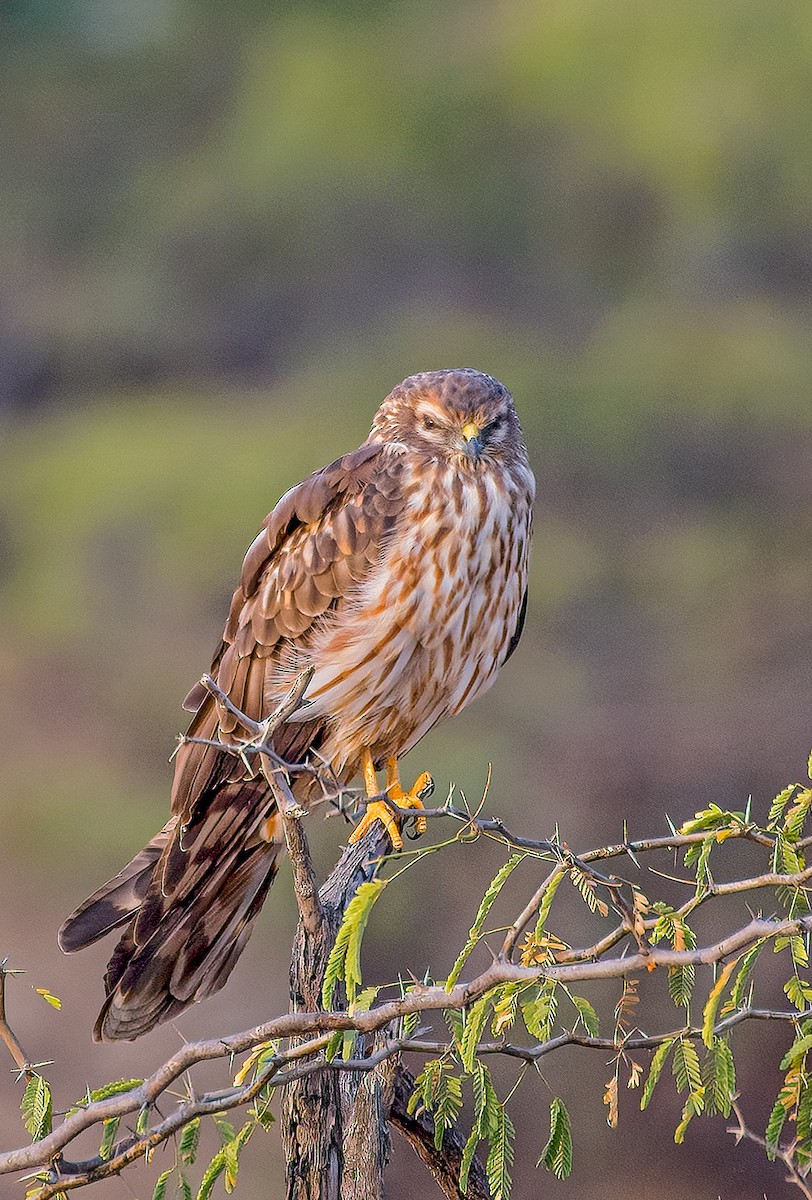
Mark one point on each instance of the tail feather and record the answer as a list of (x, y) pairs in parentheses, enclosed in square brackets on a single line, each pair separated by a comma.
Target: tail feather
[(196, 914), (188, 961), (189, 899), (115, 901)]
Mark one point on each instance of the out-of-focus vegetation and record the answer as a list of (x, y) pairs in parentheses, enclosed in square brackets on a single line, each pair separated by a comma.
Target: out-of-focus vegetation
[(226, 232)]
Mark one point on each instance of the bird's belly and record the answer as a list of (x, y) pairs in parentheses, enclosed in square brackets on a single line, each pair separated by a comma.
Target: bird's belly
[(423, 638)]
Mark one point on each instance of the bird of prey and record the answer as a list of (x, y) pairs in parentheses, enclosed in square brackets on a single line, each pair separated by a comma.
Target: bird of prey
[(399, 574)]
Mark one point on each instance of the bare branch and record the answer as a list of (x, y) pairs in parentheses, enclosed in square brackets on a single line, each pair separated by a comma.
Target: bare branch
[(305, 887), (741, 1130), (7, 1034)]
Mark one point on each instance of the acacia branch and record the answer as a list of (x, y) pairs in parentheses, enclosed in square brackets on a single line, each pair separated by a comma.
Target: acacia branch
[(421, 999), (419, 1132), (785, 1153), (308, 1057)]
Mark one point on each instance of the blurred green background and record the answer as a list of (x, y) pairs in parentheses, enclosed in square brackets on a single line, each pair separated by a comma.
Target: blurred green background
[(227, 231)]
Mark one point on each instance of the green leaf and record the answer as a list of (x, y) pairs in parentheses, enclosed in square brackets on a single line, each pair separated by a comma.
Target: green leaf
[(742, 979), (439, 1092), (210, 1176), (185, 1186), (557, 1154), (261, 1112), (109, 1131), (588, 889), (546, 905), (486, 904), (189, 1142), (685, 1066), (486, 1102), (797, 1051), (231, 1155), (692, 1108), (345, 957), (447, 1106), (688, 1075), (787, 859), (796, 947), (409, 1024), (719, 1078), (37, 1107), (487, 1109), (472, 1031), (232, 1167), (364, 1000), (712, 1003), (698, 856), (160, 1184), (780, 803), (423, 1085), (334, 1045), (587, 1014), (112, 1089), (675, 928), (657, 1064), (803, 1120), (224, 1128), (539, 1013), (348, 1039), (455, 1022), (681, 982), (469, 1150), (798, 992), (362, 1003), (713, 817), (774, 1126), (795, 818), (500, 1157)]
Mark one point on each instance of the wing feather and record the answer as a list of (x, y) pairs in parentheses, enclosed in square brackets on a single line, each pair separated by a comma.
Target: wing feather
[(196, 893)]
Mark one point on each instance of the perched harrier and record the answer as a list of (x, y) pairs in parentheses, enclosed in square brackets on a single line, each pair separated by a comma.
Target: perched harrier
[(399, 573)]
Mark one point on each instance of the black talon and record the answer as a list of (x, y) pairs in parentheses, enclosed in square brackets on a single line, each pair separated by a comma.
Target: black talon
[(427, 790)]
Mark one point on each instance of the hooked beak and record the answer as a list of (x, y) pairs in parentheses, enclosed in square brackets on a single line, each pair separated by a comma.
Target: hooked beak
[(473, 442)]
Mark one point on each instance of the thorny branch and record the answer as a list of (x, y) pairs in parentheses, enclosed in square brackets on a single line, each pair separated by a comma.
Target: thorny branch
[(289, 1062), (279, 1070), (741, 1130)]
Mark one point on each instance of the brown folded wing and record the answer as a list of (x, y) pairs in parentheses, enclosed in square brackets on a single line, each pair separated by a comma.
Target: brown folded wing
[(189, 923)]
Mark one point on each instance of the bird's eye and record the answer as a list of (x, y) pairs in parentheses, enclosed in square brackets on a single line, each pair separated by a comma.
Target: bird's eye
[(428, 423)]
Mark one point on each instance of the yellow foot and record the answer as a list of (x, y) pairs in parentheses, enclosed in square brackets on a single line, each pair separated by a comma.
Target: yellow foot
[(379, 810)]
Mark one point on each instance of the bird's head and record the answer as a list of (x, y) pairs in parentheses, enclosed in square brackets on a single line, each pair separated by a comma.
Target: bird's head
[(458, 415)]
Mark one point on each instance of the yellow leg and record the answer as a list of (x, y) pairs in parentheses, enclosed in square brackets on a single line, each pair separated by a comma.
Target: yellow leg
[(378, 810)]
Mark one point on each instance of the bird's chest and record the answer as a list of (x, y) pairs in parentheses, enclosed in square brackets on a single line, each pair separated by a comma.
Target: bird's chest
[(427, 630), (457, 548)]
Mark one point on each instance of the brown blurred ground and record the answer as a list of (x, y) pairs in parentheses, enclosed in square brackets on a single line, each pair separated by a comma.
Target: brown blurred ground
[(225, 236)]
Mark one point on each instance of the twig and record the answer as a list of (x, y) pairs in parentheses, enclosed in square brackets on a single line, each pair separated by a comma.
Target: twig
[(7, 1034), (741, 1130), (263, 729)]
